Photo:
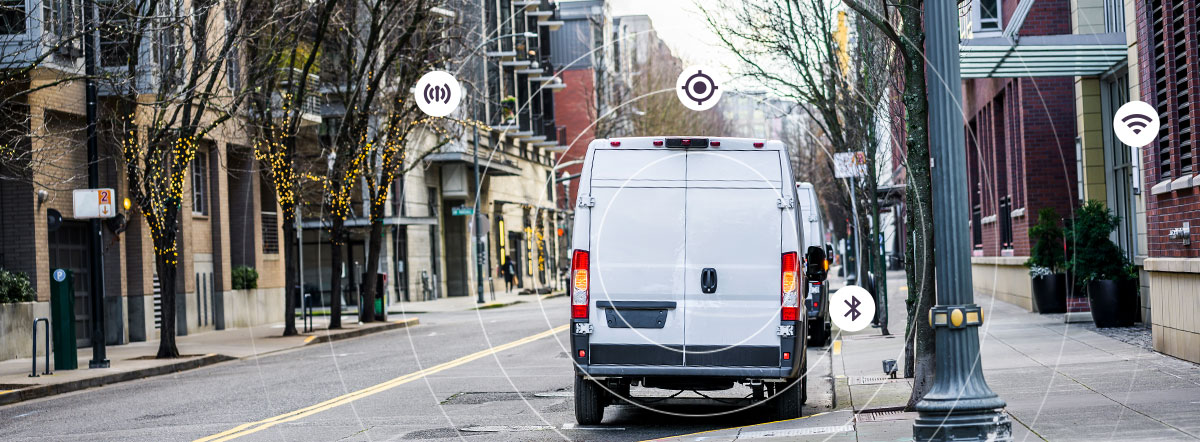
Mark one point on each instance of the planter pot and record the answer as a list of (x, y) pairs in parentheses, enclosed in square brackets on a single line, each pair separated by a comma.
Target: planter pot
[(1131, 308), (1050, 293), (1111, 303)]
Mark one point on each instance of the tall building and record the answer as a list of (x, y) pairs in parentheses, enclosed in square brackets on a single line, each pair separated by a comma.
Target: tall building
[(1165, 62)]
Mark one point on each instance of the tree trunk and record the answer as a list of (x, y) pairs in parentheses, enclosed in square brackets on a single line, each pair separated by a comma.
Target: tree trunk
[(291, 271), (335, 296), (366, 313), (166, 266), (918, 263)]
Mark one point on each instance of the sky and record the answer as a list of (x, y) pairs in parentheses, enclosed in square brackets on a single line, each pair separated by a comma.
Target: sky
[(682, 26)]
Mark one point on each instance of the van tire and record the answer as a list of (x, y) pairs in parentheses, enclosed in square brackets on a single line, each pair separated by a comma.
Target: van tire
[(789, 400), (589, 401)]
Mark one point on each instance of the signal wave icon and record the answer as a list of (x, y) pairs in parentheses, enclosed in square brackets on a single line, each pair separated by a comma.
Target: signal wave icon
[(437, 93), (1136, 123)]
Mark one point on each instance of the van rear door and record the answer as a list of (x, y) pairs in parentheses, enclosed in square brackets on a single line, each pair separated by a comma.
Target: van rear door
[(637, 256), (734, 231)]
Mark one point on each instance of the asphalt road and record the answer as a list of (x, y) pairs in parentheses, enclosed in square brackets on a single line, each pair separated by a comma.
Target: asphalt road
[(500, 374)]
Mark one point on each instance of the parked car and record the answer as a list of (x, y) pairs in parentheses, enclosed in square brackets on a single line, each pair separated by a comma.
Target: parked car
[(686, 272), (812, 220)]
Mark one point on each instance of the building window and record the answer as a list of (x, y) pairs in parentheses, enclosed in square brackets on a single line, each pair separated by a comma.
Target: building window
[(12, 17), (1171, 25), (60, 21), (269, 216), (200, 183), (233, 70), (986, 14), (116, 34)]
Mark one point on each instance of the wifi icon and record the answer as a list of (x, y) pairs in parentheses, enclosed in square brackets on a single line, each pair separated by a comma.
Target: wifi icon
[(1136, 123)]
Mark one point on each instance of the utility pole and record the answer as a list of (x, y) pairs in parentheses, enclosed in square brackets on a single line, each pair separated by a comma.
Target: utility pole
[(96, 265), (960, 406), (858, 276), (478, 184)]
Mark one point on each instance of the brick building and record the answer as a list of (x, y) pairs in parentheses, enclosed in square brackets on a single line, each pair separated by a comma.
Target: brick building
[(1169, 72)]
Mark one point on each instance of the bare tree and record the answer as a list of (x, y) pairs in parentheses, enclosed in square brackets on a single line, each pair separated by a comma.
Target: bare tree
[(655, 110), (902, 24), (283, 77), (163, 111)]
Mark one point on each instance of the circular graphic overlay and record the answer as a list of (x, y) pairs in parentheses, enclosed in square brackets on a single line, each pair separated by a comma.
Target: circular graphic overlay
[(1136, 123), (437, 93), (699, 88), (851, 308)]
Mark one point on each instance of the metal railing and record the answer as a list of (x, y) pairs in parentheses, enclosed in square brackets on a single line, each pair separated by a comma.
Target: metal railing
[(34, 373)]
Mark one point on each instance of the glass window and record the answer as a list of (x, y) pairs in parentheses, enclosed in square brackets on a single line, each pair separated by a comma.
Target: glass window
[(12, 17), (200, 183), (989, 15)]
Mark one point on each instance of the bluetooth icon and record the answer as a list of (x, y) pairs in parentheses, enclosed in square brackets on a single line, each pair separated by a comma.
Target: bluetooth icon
[(851, 308)]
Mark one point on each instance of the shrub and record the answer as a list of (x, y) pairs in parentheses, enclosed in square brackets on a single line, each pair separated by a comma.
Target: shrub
[(1047, 247), (1093, 255), (245, 277), (15, 287)]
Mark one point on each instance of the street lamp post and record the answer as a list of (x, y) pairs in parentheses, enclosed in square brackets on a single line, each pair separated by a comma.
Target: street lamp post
[(960, 406), (475, 163)]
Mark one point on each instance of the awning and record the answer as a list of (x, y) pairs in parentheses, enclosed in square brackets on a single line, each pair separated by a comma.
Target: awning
[(1071, 55), (494, 168)]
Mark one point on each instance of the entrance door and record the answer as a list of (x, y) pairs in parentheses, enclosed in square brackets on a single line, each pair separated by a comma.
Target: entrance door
[(206, 312), (734, 234), (1121, 181), (458, 252), (69, 250)]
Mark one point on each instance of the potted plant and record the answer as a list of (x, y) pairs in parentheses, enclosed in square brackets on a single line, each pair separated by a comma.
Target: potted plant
[(508, 109), (1046, 264), (1100, 265)]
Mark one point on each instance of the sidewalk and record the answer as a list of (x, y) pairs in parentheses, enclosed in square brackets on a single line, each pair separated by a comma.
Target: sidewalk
[(1061, 382), (500, 298)]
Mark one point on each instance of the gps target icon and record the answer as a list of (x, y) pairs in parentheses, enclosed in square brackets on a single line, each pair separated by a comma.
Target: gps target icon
[(697, 89)]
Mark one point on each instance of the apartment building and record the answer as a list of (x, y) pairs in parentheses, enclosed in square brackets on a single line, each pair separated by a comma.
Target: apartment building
[(228, 216)]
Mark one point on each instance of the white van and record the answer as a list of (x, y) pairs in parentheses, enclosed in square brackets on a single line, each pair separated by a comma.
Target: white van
[(686, 271), (816, 299)]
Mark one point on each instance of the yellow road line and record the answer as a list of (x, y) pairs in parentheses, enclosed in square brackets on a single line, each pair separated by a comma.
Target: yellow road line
[(254, 427), (6, 391), (309, 339), (837, 347)]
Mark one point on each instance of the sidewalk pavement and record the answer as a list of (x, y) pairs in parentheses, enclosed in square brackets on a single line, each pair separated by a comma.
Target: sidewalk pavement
[(1061, 382), (136, 360), (498, 298)]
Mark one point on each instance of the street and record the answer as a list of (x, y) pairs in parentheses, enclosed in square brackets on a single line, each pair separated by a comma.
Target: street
[(519, 393)]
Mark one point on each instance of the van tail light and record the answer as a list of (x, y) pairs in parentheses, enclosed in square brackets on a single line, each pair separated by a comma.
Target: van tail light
[(789, 298), (614, 143), (580, 284)]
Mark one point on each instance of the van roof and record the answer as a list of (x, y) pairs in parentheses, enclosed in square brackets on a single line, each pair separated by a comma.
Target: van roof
[(804, 185), (677, 142)]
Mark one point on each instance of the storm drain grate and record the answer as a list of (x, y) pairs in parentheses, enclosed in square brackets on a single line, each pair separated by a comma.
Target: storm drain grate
[(884, 415), (868, 380), (793, 432)]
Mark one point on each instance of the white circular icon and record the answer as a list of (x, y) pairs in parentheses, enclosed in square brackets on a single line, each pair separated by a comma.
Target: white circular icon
[(699, 88), (437, 93), (1136, 123), (851, 308), (60, 275)]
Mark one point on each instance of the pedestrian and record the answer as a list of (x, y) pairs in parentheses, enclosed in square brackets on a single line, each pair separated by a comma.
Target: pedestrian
[(509, 271)]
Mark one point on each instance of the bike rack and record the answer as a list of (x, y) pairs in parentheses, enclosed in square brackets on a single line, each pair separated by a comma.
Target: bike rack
[(34, 374), (307, 311)]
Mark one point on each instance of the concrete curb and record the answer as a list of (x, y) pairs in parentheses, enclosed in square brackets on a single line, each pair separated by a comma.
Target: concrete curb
[(41, 391)]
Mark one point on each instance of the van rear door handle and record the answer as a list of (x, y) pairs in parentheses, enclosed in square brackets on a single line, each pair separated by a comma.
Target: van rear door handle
[(708, 280)]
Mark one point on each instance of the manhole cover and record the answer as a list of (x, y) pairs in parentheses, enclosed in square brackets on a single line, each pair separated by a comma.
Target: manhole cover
[(506, 428), (555, 394)]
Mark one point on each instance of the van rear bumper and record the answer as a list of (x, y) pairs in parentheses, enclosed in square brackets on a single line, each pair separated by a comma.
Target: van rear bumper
[(675, 370)]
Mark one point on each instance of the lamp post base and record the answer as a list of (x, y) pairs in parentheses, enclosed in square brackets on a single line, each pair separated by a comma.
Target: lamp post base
[(988, 426)]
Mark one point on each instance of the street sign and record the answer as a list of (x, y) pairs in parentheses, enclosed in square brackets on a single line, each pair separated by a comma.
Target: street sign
[(849, 164), (93, 203), (462, 210)]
